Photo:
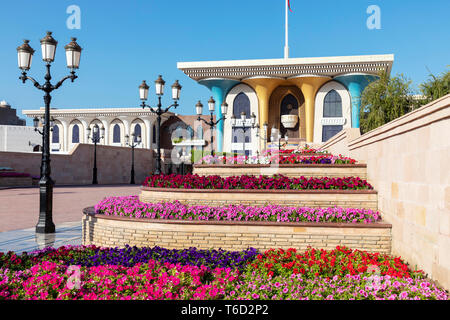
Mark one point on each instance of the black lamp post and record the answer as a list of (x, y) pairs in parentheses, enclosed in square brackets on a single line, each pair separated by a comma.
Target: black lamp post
[(95, 138), (36, 122), (244, 125), (132, 144), (143, 94), (25, 55), (211, 123)]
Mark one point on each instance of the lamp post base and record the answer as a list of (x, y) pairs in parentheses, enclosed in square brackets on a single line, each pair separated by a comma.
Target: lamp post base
[(45, 223), (46, 228)]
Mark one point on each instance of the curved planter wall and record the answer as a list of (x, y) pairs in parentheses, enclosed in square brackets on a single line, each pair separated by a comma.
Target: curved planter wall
[(362, 199), (106, 231), (290, 170)]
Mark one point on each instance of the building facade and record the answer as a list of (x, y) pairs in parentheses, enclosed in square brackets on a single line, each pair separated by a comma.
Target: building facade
[(70, 126), (306, 99), (8, 115), (179, 133)]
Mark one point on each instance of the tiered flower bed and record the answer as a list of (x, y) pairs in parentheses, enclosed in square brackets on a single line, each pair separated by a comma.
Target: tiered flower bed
[(132, 207), (118, 221), (349, 192), (302, 156), (292, 163), (157, 273), (255, 182)]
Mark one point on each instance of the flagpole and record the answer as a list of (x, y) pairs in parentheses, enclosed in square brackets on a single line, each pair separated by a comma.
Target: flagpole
[(286, 46)]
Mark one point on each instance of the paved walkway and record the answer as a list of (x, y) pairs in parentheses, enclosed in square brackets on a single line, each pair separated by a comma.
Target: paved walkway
[(27, 240), (19, 208), (19, 212)]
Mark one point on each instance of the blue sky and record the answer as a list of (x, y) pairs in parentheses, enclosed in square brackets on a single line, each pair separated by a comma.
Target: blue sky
[(128, 41)]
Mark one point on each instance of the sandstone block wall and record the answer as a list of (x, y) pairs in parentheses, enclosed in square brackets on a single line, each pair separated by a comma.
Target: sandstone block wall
[(113, 163), (408, 163), (106, 232)]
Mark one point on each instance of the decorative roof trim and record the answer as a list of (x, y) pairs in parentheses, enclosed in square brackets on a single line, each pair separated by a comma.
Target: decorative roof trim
[(286, 68)]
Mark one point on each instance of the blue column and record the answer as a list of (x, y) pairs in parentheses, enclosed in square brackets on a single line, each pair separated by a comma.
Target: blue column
[(356, 83), (219, 89)]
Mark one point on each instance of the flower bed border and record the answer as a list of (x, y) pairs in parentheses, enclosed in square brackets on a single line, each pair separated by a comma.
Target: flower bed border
[(289, 170), (362, 199), (112, 231), (285, 165), (91, 212)]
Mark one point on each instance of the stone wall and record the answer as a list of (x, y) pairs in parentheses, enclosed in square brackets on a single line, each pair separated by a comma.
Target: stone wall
[(364, 199), (338, 144), (75, 168), (115, 231), (290, 170), (15, 181), (408, 163)]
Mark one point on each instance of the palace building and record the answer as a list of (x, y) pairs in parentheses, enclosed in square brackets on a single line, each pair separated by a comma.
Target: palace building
[(307, 99), (70, 128)]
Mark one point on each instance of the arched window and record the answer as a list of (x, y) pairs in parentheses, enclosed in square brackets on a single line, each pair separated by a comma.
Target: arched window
[(116, 134), (75, 134), (154, 134), (332, 105), (199, 132), (55, 137), (289, 105), (190, 132), (241, 104), (137, 131)]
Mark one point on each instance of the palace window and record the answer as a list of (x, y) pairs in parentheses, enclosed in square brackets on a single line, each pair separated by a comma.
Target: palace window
[(76, 134), (330, 131), (332, 105), (55, 137), (116, 134), (137, 131), (199, 132)]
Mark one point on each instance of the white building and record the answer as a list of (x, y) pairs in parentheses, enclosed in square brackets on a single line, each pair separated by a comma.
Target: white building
[(19, 139), (70, 126)]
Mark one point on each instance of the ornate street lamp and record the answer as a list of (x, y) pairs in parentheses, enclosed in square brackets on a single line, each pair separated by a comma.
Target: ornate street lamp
[(25, 56), (132, 144), (244, 125), (211, 123), (143, 95), (95, 138)]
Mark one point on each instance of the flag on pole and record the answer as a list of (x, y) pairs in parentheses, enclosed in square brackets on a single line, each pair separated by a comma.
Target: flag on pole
[(289, 5)]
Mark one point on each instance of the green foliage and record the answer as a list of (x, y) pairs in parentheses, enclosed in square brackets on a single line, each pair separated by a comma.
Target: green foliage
[(177, 140), (385, 100), (391, 97), (435, 87)]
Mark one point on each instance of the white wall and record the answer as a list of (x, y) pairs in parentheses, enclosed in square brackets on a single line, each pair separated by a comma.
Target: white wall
[(18, 138), (346, 118), (227, 143)]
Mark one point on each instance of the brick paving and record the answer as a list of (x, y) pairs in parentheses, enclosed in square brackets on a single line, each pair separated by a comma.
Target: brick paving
[(19, 207)]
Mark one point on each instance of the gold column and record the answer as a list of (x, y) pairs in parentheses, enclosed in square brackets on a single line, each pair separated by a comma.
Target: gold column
[(309, 86), (264, 88)]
